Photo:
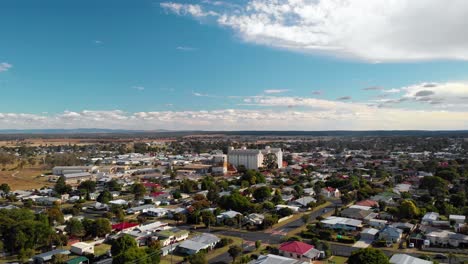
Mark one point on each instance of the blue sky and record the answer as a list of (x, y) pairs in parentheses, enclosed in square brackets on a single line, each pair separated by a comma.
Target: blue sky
[(230, 65)]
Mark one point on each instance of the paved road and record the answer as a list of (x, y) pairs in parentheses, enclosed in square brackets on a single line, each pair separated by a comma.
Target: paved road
[(270, 236)]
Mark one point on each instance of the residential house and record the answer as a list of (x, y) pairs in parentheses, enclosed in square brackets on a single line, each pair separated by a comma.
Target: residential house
[(82, 248), (369, 234), (356, 213), (303, 201), (299, 250), (429, 218), (170, 236), (194, 245), (254, 219), (275, 259), (341, 223), (407, 259), (457, 219), (226, 215), (330, 192), (446, 238), (391, 234), (47, 256)]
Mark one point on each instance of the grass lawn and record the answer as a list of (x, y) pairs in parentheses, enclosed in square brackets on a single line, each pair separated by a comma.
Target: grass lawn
[(219, 251), (101, 249), (338, 260)]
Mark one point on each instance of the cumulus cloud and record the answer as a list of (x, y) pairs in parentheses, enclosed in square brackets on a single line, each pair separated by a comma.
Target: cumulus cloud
[(377, 30), (448, 95), (5, 66), (276, 91), (139, 88), (358, 117)]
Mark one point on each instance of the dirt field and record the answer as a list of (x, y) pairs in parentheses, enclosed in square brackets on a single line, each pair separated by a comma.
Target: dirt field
[(25, 179)]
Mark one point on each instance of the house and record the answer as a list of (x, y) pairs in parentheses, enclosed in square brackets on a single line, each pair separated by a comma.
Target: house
[(369, 234), (377, 223), (170, 236), (457, 219), (139, 209), (330, 192), (341, 223), (194, 245), (406, 227), (429, 218), (299, 250), (390, 233), (78, 260), (369, 203), (124, 226), (254, 219), (275, 259), (407, 259), (447, 238), (47, 256), (226, 215), (156, 212), (356, 213), (303, 201), (82, 248)]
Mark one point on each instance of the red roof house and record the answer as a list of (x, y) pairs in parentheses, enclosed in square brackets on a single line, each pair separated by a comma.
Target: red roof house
[(123, 226), (299, 250)]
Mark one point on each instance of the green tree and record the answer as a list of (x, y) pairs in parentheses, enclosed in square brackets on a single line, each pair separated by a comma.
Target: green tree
[(234, 251), (199, 258), (104, 197), (262, 193), (368, 256), (55, 215), (138, 189), (75, 228), (5, 188), (258, 244), (122, 244), (101, 227), (88, 186), (208, 218), (132, 255), (61, 187), (408, 210)]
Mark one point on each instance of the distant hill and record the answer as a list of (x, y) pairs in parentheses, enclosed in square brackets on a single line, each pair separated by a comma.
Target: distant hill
[(98, 132)]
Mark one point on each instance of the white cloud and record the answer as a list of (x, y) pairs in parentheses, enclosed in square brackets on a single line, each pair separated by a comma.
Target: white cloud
[(392, 91), (451, 95), (98, 42), (377, 30), (185, 48), (187, 9), (139, 88), (275, 91), (359, 117), (5, 66)]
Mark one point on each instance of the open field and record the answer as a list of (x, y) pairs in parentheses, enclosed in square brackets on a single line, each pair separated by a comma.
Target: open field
[(24, 179)]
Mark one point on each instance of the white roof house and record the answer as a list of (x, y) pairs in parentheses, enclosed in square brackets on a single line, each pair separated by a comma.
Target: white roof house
[(275, 259), (335, 222), (82, 248), (407, 259), (429, 217)]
